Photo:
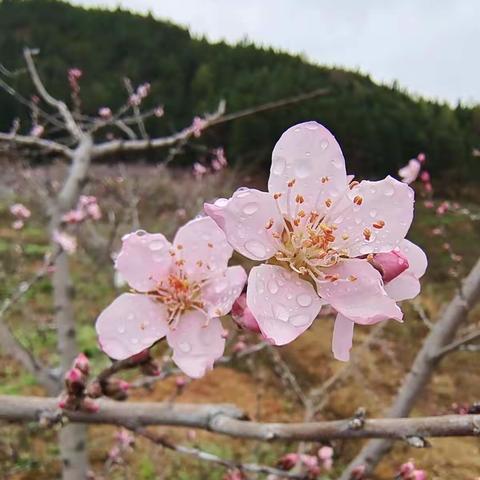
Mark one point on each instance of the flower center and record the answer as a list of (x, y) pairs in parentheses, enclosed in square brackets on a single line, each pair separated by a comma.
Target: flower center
[(178, 294), (305, 245)]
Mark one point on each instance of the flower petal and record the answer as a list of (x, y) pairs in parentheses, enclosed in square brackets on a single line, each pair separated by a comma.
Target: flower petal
[(130, 324), (342, 338), (283, 304), (403, 287), (244, 218), (203, 247), (309, 154), (144, 259), (195, 344), (221, 291), (417, 260), (372, 217), (358, 294)]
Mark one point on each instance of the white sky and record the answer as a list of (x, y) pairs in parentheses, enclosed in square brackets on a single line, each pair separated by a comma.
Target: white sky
[(432, 47)]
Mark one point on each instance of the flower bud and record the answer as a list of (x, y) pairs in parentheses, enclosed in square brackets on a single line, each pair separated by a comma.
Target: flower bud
[(82, 363), (242, 315), (390, 264)]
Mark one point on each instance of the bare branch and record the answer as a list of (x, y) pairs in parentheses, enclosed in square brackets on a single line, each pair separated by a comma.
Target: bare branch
[(31, 141), (229, 420), (210, 457), (116, 146), (62, 108), (456, 344)]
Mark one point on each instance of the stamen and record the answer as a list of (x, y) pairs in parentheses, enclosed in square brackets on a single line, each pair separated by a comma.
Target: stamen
[(379, 224), (358, 200)]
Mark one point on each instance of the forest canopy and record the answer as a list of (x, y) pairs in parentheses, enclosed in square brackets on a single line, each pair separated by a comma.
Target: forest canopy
[(378, 126)]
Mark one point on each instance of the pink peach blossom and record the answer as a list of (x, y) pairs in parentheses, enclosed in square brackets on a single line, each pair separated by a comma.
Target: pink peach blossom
[(20, 211), (197, 126), (409, 172), (180, 290), (66, 241), (18, 224), (319, 233)]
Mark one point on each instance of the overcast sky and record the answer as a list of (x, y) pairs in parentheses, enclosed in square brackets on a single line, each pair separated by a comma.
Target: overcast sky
[(432, 47)]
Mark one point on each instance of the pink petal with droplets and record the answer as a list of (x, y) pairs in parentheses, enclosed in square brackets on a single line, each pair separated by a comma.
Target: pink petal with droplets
[(202, 245), (342, 338), (309, 154), (372, 217), (244, 218), (221, 291), (358, 294), (144, 260), (130, 324), (195, 344), (283, 304)]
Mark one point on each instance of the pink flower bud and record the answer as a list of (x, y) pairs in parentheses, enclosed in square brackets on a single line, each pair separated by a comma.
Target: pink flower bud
[(418, 475), (407, 468), (390, 264), (105, 113), (325, 452), (428, 204), (421, 157), (180, 382), (288, 461), (123, 385), (18, 224), (358, 472), (74, 375), (425, 176), (242, 315), (82, 363)]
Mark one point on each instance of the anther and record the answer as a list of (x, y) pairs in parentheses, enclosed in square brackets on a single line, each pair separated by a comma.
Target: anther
[(358, 200), (379, 224)]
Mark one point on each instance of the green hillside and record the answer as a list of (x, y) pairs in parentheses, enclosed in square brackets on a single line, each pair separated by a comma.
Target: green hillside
[(379, 127)]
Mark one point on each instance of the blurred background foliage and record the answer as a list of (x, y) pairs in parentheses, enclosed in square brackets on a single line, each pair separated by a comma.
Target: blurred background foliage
[(378, 126)]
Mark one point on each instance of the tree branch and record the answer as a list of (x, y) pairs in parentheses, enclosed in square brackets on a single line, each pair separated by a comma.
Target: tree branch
[(30, 141), (210, 457), (62, 108), (229, 420)]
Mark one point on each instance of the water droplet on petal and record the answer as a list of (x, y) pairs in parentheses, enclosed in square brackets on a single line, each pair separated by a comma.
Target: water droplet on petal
[(337, 162), (304, 300), (324, 144), (278, 165), (255, 248), (250, 208), (373, 213), (389, 190), (134, 341), (121, 329), (220, 287), (273, 287), (221, 202), (131, 316), (303, 168), (185, 347), (281, 313), (156, 245), (299, 320)]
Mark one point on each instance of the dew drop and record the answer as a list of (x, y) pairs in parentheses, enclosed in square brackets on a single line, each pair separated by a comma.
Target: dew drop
[(185, 347), (299, 320), (304, 300), (250, 208), (243, 192), (389, 190), (134, 341), (303, 168), (373, 213), (337, 162), (273, 287), (260, 286), (358, 220), (221, 202), (278, 165), (156, 245), (121, 329), (131, 316), (220, 287), (255, 248), (324, 144), (281, 313)]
